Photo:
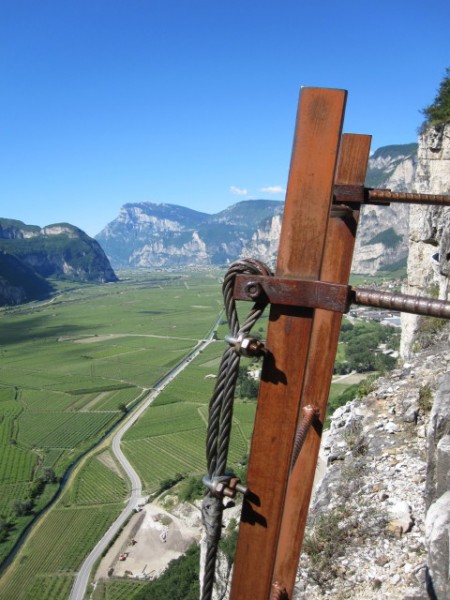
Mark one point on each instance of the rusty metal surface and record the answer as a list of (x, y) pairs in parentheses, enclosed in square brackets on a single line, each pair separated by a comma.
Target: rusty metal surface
[(278, 592), (358, 194), (305, 293), (402, 197), (336, 266), (417, 305), (293, 292), (305, 220)]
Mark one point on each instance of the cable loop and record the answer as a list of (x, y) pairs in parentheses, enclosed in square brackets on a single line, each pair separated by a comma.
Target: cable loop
[(221, 412)]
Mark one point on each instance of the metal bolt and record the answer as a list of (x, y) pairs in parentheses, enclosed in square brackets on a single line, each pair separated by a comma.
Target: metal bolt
[(248, 346), (251, 346), (253, 290)]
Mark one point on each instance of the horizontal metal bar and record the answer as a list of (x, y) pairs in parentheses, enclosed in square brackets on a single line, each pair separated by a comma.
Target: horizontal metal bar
[(292, 292), (305, 293), (347, 194), (388, 196), (417, 305)]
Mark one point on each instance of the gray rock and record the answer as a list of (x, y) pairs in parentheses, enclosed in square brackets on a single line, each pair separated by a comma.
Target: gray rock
[(438, 427), (443, 465), (437, 532)]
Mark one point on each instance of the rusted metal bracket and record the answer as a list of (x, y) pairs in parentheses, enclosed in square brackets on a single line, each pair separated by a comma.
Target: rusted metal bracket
[(292, 292), (305, 293), (358, 194)]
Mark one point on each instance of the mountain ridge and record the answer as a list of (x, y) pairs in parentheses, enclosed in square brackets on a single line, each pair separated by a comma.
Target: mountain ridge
[(31, 254), (163, 235)]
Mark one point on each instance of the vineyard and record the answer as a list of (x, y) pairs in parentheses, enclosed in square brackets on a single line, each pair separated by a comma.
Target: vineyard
[(70, 370), (57, 549), (169, 439), (99, 483)]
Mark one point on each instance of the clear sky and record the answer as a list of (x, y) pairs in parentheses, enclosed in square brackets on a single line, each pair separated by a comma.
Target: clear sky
[(193, 102)]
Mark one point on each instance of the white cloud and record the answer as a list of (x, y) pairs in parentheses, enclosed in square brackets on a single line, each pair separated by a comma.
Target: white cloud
[(273, 189), (238, 191)]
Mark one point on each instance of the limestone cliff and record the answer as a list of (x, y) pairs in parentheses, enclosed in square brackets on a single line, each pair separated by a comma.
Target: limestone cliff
[(171, 236), (429, 232), (379, 247)]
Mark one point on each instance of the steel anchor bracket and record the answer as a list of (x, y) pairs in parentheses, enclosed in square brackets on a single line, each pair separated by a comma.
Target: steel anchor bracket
[(305, 293)]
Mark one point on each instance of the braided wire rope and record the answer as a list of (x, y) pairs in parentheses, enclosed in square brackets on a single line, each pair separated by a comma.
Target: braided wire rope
[(221, 413)]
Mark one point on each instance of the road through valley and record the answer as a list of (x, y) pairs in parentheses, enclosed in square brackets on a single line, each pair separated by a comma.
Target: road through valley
[(81, 580)]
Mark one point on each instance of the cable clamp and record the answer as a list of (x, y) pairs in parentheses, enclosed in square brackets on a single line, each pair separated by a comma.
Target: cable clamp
[(246, 346), (225, 485)]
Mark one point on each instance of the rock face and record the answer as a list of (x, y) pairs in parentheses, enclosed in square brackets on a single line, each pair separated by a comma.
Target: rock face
[(386, 494), (378, 247), (366, 534), (429, 233), (168, 236), (30, 254)]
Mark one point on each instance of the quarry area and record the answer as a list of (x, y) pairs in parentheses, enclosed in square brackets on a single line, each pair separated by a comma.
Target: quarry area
[(151, 539)]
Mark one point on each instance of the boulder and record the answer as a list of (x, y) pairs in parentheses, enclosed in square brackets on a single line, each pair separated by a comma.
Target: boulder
[(437, 534)]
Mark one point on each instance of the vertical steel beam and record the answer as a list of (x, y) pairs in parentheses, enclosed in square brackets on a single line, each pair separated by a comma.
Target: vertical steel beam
[(302, 243), (336, 266)]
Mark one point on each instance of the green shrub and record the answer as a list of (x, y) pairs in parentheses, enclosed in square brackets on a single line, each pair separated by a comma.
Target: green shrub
[(180, 581), (191, 489), (425, 398)]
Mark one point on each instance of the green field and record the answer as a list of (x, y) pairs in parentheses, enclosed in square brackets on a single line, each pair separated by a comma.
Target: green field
[(46, 565), (69, 370)]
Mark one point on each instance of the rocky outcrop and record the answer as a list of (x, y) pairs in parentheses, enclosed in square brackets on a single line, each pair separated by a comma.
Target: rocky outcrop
[(263, 244), (366, 535), (437, 540), (60, 250), (438, 492), (429, 230), (386, 492)]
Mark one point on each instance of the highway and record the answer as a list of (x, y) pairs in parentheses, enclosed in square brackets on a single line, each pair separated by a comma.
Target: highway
[(81, 580)]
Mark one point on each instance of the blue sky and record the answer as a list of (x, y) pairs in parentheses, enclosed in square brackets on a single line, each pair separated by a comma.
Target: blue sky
[(193, 102)]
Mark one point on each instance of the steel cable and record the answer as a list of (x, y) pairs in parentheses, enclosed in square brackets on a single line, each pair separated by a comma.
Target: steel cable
[(221, 412)]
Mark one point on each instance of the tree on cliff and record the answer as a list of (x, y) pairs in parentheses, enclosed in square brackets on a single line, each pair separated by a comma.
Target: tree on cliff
[(438, 113)]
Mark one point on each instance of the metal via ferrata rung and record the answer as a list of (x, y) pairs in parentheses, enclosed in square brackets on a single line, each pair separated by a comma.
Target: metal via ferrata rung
[(417, 305), (358, 194)]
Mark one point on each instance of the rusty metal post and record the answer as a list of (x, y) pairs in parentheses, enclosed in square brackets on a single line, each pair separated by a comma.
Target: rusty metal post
[(336, 266), (302, 244)]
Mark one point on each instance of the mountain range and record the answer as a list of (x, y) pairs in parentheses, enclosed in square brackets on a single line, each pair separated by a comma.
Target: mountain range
[(170, 236)]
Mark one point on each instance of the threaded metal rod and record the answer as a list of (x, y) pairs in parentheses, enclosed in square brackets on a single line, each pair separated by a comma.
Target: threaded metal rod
[(388, 196), (309, 414), (418, 305)]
